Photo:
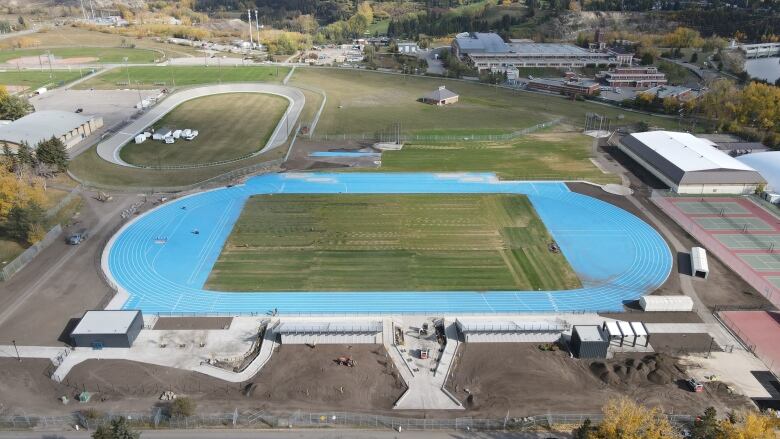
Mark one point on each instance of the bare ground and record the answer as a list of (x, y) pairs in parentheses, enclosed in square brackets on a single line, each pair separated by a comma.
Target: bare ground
[(296, 378), (192, 323), (520, 380)]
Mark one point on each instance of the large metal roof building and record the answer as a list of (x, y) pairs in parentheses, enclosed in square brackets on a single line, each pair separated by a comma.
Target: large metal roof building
[(768, 164), (689, 164), (69, 127)]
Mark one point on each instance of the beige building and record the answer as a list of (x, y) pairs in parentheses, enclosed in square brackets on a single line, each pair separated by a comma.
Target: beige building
[(441, 96), (71, 128)]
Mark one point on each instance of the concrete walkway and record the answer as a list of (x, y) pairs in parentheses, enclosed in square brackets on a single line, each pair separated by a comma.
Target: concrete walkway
[(109, 149)]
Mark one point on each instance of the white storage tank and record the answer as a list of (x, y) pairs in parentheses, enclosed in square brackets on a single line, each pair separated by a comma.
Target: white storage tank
[(666, 303)]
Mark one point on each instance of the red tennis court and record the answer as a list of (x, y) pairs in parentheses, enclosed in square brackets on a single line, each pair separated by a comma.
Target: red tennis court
[(760, 330)]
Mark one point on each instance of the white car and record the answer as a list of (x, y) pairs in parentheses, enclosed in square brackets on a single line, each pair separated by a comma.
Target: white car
[(193, 134), (177, 134), (169, 140)]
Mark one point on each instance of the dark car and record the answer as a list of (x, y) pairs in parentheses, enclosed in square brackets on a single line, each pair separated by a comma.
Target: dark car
[(79, 110), (77, 238)]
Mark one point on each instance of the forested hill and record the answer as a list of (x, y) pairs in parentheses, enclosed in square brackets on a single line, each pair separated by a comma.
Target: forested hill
[(326, 11)]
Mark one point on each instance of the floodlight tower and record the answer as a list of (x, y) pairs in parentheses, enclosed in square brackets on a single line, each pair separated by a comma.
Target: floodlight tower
[(251, 40), (257, 28)]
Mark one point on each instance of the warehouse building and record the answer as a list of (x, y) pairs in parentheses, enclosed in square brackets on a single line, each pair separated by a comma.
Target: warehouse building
[(313, 333), (36, 127), (488, 51), (633, 77), (568, 87), (689, 164), (108, 329), (768, 165)]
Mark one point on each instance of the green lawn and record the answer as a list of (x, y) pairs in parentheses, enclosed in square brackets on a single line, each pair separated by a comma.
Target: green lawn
[(365, 102), (156, 76), (34, 79), (389, 242), (103, 54), (230, 126), (541, 156), (378, 27)]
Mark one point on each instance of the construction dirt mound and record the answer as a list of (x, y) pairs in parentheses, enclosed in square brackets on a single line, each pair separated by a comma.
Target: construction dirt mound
[(656, 369)]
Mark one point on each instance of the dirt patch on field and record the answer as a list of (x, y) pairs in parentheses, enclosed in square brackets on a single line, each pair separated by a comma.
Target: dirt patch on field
[(493, 378), (654, 317), (192, 323), (296, 377), (34, 61)]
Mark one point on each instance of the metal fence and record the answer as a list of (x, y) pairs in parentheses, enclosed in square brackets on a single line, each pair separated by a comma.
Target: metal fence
[(23, 259), (63, 202), (391, 136), (768, 360), (157, 418)]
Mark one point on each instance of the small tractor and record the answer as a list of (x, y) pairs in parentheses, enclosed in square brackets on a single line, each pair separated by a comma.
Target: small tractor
[(345, 361)]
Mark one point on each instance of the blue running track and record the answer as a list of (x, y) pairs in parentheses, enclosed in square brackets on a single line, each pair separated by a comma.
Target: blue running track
[(163, 265)]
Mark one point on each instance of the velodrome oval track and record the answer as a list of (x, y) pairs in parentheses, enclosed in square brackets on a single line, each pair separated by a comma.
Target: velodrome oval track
[(109, 149), (160, 266)]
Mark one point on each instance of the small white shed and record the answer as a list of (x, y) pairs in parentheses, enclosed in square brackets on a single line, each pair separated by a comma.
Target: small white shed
[(699, 266), (666, 303), (140, 138)]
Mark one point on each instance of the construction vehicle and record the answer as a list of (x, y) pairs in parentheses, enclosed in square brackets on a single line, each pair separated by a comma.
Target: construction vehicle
[(103, 197), (424, 329), (345, 361), (694, 385)]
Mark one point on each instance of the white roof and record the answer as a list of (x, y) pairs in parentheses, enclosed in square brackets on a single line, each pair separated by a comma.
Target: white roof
[(329, 327), (105, 322), (41, 125), (625, 328), (510, 326), (589, 333), (699, 259), (667, 299), (612, 328), (639, 329), (767, 164), (688, 152)]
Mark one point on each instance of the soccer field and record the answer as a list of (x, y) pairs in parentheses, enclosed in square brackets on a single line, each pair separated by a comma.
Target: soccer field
[(167, 76), (230, 126), (101, 54), (391, 242)]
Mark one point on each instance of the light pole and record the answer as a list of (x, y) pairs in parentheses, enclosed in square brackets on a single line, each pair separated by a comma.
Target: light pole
[(18, 357), (140, 99)]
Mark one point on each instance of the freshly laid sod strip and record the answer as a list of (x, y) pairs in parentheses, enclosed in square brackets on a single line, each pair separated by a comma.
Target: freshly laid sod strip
[(229, 125), (389, 243), (100, 54), (166, 76), (34, 79), (545, 156)]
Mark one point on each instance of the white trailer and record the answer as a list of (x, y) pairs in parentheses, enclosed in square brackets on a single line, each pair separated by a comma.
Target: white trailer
[(666, 303), (699, 266), (140, 138)]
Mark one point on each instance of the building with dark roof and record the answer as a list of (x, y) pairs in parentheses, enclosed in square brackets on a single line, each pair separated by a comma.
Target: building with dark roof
[(569, 87), (633, 77), (440, 96), (689, 164)]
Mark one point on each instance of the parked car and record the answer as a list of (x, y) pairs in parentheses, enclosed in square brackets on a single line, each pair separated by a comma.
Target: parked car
[(79, 110), (77, 238), (694, 385)]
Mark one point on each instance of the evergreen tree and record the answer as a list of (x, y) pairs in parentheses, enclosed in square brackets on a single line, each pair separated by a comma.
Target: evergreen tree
[(24, 155), (706, 426), (52, 152), (22, 221), (118, 429)]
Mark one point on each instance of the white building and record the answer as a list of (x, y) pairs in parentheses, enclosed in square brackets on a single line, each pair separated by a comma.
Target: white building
[(69, 127), (689, 164), (407, 47)]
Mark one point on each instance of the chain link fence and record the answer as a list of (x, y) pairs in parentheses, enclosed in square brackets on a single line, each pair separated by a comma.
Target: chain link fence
[(157, 418), (23, 259), (391, 136)]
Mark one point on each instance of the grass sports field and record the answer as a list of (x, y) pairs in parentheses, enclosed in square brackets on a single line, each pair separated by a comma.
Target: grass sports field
[(366, 102), (103, 54), (540, 156), (34, 79), (229, 125), (158, 76), (389, 242)]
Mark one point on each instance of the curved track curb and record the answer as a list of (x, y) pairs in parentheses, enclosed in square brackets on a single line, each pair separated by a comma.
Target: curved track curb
[(109, 149)]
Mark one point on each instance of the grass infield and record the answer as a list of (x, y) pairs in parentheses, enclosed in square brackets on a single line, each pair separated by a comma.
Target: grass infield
[(389, 243), (229, 125), (33, 79), (102, 54)]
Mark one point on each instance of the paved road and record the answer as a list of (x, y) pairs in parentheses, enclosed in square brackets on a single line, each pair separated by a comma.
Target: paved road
[(109, 148), (297, 434)]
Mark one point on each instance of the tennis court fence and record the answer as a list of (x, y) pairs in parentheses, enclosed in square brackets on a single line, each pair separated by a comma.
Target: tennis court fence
[(715, 247)]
